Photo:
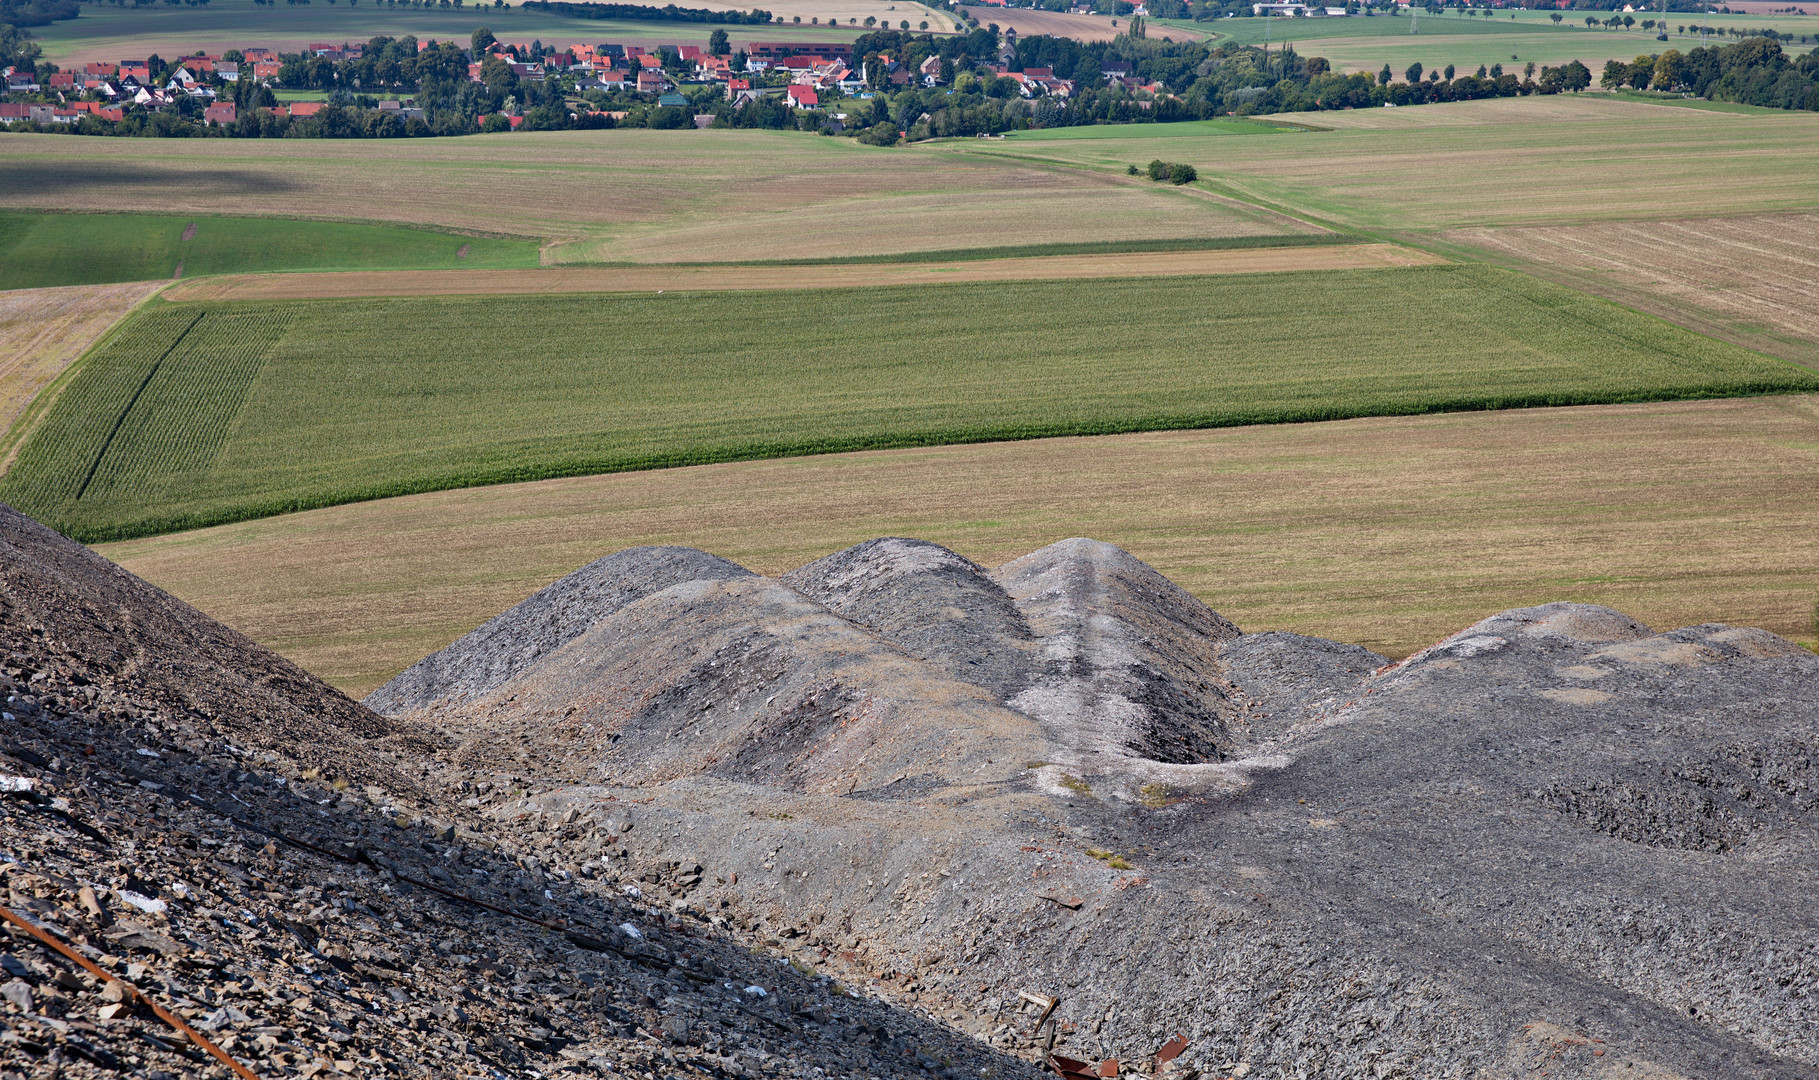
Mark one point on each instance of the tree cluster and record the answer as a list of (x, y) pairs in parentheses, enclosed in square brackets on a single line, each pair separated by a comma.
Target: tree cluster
[(646, 13), (1754, 71)]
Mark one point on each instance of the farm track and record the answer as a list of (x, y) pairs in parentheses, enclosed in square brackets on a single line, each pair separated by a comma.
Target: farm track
[(725, 278), (1386, 531), (43, 330)]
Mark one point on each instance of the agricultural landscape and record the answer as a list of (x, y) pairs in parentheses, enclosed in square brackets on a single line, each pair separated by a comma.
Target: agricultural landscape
[(1350, 376)]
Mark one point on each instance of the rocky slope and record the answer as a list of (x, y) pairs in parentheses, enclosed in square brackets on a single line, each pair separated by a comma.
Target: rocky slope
[(1557, 840), (913, 800), (293, 876)]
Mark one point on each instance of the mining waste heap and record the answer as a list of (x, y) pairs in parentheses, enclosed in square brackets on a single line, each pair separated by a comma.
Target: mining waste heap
[(896, 814)]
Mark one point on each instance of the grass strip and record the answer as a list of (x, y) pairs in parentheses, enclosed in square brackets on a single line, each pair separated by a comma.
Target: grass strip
[(47, 249)]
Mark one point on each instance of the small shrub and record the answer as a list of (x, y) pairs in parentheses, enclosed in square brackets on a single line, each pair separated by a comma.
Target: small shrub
[(1158, 169), (1074, 783), (1182, 174)]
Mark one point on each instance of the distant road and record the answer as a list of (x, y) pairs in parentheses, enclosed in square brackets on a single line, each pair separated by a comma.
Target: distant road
[(1055, 24)]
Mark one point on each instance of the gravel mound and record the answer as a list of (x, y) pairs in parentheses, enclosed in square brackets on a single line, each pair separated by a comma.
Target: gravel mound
[(203, 822), (1555, 843), (1129, 655), (933, 604), (1301, 678), (746, 679), (508, 644)]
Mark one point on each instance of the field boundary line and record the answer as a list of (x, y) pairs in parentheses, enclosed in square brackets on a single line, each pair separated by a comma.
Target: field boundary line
[(134, 400), (34, 412)]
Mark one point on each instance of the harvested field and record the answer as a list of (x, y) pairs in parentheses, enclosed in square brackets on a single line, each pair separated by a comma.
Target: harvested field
[(1377, 168), (676, 195), (1057, 206), (109, 33), (1388, 532), (43, 330), (344, 403), (1740, 275), (725, 278), (1028, 22)]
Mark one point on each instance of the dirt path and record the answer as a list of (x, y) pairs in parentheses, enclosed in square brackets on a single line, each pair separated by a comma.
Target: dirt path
[(43, 330), (718, 278)]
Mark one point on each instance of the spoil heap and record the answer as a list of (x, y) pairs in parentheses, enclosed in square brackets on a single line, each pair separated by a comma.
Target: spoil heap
[(293, 877), (1556, 840)]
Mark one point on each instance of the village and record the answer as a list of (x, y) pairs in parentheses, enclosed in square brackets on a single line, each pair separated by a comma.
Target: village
[(215, 89)]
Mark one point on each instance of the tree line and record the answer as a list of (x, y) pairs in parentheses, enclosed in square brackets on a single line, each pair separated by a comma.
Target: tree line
[(641, 12)]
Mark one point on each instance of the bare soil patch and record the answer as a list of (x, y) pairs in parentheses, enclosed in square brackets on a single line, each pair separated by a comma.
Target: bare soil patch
[(723, 278), (43, 330), (1389, 533), (189, 231), (1754, 274)]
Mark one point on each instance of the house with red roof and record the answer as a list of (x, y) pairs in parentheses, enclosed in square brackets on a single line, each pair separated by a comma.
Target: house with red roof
[(218, 114), (803, 97)]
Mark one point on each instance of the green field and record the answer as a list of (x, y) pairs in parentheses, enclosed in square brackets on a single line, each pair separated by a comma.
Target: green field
[(38, 250), (204, 413), (113, 33), (1182, 130), (1508, 37)]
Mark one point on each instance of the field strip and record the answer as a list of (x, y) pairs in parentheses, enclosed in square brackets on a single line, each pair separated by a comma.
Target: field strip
[(337, 285), (42, 331), (1390, 532), (1749, 272)]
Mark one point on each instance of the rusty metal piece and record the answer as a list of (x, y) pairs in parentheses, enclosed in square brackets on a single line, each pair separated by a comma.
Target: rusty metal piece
[(1171, 1050), (1070, 1068), (1072, 903), (1108, 1067), (131, 994)]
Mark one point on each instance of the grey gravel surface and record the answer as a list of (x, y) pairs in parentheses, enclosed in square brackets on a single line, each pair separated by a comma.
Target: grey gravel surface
[(158, 774), (1557, 843)]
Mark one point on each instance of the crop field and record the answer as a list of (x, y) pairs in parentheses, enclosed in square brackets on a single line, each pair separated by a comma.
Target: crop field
[(634, 195), (1511, 161), (717, 278), (43, 330), (1389, 532), (1027, 22), (39, 250), (1186, 129), (356, 399), (110, 34), (1750, 277)]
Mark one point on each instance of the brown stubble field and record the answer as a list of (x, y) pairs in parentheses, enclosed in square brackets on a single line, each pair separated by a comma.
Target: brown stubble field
[(334, 285), (1567, 159), (1389, 532), (43, 330), (631, 195), (1750, 279)]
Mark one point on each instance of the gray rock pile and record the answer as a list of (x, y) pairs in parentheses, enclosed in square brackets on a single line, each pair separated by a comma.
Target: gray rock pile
[(297, 879), (1555, 841), (951, 820)]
